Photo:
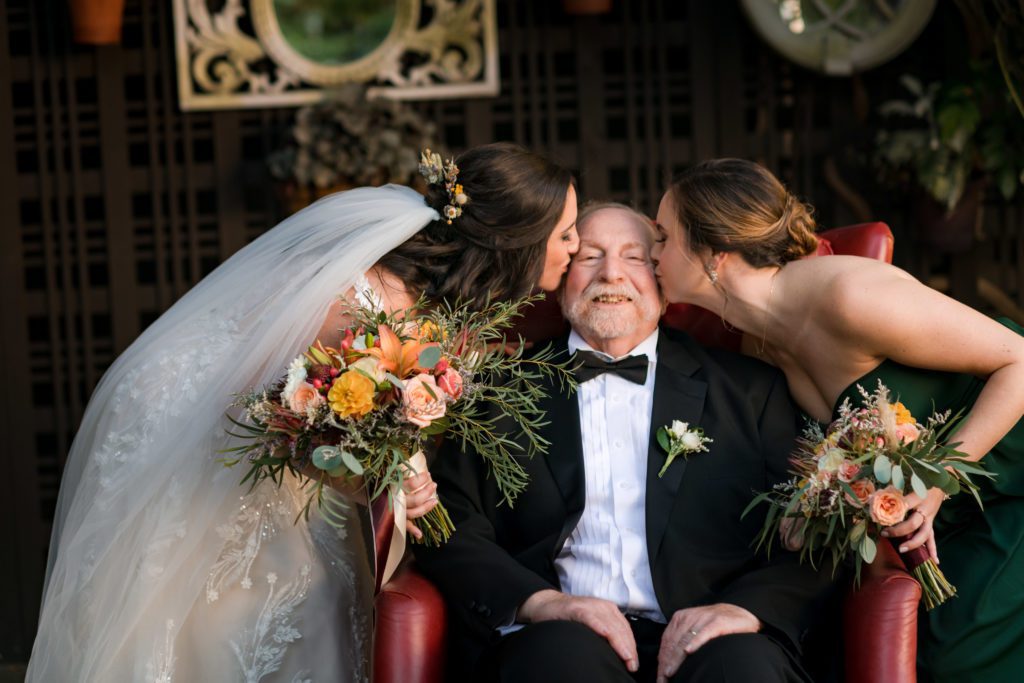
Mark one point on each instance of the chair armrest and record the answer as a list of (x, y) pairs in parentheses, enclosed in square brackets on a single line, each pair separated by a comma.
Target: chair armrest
[(410, 630), (880, 622)]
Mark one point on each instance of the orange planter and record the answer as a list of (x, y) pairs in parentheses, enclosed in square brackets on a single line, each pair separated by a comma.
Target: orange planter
[(96, 22)]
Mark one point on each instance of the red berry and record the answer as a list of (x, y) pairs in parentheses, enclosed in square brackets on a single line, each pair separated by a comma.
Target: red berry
[(334, 372), (317, 383)]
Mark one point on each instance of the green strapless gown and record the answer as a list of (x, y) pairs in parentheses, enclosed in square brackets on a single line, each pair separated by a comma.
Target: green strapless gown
[(979, 634)]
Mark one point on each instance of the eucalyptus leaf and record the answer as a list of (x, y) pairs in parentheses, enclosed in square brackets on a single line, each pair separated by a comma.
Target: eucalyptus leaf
[(868, 549), (897, 477), (918, 485), (430, 357), (883, 469), (352, 462), (325, 458)]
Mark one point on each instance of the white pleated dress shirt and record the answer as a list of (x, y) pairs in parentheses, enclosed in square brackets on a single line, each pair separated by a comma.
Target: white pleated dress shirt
[(606, 554)]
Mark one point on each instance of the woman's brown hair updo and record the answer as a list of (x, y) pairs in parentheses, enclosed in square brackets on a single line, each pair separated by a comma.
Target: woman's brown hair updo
[(735, 205), (497, 247)]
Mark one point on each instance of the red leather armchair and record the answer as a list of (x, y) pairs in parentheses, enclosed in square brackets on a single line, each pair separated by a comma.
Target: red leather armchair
[(879, 618)]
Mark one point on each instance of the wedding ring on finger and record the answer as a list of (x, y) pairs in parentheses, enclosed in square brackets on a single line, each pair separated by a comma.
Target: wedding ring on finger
[(694, 633)]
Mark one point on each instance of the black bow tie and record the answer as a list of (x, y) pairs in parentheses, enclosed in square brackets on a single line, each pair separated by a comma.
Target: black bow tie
[(633, 368)]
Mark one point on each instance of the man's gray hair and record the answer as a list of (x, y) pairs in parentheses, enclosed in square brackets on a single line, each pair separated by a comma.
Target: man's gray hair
[(593, 207)]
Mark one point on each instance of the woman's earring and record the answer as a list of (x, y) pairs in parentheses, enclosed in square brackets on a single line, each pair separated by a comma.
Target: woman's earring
[(712, 275)]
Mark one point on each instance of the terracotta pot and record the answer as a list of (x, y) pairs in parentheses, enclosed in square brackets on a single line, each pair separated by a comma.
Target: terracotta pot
[(587, 6), (950, 232), (96, 22)]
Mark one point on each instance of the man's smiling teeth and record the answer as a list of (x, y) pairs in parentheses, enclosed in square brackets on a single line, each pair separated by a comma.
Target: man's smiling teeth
[(611, 298)]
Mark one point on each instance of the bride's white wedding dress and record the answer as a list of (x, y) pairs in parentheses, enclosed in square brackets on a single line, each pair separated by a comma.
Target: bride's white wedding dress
[(162, 567)]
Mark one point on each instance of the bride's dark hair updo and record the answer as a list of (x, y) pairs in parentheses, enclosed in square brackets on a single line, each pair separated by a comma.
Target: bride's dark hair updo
[(497, 247), (735, 205)]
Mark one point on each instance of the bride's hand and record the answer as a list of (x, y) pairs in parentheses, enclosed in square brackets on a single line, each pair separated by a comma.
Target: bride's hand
[(420, 498), (918, 524)]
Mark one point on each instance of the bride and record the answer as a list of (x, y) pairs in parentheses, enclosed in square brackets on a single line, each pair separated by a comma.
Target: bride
[(162, 567)]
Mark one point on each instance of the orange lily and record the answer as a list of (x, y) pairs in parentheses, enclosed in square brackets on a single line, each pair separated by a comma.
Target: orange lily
[(395, 356)]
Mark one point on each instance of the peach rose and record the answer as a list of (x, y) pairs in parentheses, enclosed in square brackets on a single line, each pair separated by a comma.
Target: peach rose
[(423, 400), (888, 507), (863, 488), (451, 383), (352, 394), (304, 397), (907, 432), (848, 471)]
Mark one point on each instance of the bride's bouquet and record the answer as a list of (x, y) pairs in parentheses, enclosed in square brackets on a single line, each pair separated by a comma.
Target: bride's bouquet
[(364, 407), (850, 482)]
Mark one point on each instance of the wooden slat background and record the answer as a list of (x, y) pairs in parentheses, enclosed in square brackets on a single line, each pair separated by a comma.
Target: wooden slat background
[(115, 203)]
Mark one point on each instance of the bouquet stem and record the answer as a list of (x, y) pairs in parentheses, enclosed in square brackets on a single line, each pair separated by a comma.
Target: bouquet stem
[(436, 526), (935, 588)]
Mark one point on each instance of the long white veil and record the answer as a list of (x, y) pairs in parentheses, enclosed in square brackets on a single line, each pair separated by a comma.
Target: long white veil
[(160, 567)]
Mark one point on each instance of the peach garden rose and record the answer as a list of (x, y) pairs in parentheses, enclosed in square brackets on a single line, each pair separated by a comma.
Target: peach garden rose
[(422, 400), (451, 383), (305, 397), (863, 488), (888, 507)]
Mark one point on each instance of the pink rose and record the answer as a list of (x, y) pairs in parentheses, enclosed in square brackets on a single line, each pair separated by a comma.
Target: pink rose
[(888, 507), (423, 400), (848, 471), (863, 488), (304, 397), (907, 433), (451, 383)]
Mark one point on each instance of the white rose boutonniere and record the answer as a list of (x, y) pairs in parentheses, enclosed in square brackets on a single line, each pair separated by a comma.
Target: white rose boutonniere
[(680, 439)]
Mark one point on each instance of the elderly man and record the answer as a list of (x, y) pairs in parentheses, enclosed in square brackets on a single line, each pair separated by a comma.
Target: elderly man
[(607, 569)]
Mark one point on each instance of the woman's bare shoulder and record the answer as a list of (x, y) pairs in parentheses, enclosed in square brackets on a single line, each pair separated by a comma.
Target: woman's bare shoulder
[(840, 283)]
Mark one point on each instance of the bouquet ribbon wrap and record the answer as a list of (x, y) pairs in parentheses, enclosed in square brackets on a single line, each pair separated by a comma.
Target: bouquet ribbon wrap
[(417, 464), (912, 559)]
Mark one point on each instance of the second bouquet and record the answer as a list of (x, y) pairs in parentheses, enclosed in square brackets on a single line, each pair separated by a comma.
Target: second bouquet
[(361, 409), (851, 482)]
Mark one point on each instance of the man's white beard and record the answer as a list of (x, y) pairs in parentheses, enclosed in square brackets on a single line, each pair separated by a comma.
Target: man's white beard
[(597, 322)]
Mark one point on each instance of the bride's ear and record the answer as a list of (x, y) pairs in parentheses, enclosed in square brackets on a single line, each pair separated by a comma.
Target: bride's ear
[(712, 264)]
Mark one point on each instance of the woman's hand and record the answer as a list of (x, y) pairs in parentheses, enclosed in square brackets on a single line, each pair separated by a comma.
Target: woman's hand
[(919, 523), (420, 498)]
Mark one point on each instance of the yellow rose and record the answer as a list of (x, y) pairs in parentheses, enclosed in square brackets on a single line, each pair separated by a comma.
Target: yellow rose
[(351, 394)]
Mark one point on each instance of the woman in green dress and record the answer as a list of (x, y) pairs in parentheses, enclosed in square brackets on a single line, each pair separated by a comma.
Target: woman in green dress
[(733, 242)]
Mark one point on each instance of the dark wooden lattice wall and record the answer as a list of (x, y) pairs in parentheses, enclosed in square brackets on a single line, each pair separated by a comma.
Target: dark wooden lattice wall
[(114, 203)]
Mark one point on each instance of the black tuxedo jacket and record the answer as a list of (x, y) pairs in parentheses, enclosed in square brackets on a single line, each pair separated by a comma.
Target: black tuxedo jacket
[(700, 551)]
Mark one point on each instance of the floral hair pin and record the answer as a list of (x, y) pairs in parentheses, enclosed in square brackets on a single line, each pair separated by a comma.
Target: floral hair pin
[(437, 171)]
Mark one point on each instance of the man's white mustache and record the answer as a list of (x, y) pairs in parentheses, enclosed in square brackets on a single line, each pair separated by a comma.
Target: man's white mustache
[(598, 290)]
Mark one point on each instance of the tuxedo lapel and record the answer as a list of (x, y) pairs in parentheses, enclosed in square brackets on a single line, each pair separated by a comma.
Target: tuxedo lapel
[(565, 453), (677, 396)]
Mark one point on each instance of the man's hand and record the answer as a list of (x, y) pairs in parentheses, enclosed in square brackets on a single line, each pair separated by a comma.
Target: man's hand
[(601, 616), (692, 627)]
